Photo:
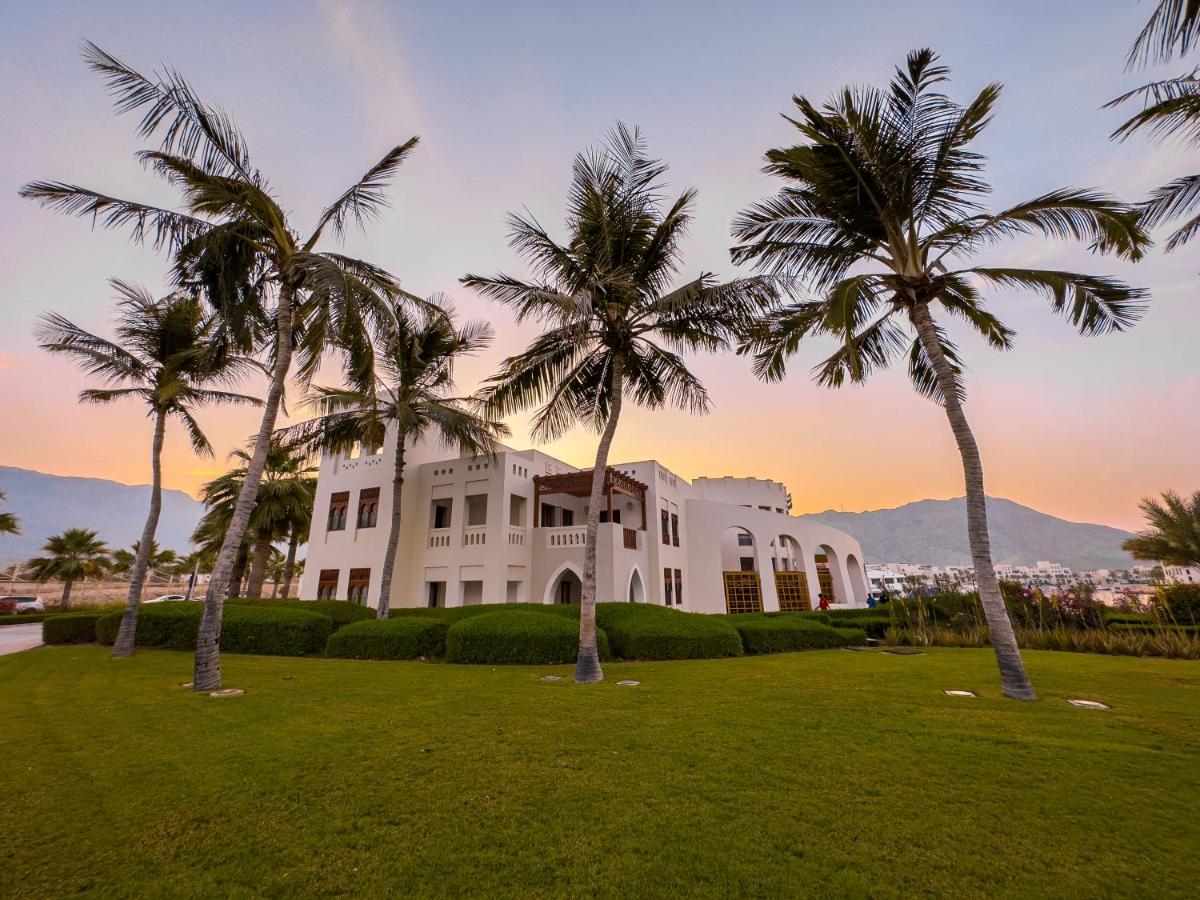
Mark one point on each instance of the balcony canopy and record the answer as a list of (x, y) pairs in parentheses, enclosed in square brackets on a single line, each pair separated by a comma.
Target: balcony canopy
[(579, 484)]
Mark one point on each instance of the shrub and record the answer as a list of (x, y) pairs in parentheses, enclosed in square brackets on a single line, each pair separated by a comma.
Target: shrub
[(1179, 602), (340, 612), (646, 631), (245, 628), (1155, 628), (405, 637), (517, 636), (452, 614), (785, 633), (852, 637), (72, 627), (26, 618), (875, 626)]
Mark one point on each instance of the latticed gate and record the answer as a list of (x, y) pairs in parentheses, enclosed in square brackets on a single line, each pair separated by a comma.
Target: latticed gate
[(792, 590), (825, 579), (743, 592)]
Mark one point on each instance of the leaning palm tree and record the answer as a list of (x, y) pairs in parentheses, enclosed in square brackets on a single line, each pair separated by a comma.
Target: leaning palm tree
[(233, 241), (1170, 109), (411, 394), (880, 209), (124, 561), (615, 325), (9, 523), (286, 493), (1173, 537), (170, 357), (71, 556), (297, 535)]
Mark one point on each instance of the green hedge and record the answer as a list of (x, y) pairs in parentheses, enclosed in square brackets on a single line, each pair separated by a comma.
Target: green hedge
[(406, 637), (1155, 628), (26, 618), (646, 631), (454, 614), (782, 634), (72, 627), (245, 628), (517, 636), (340, 612), (875, 626)]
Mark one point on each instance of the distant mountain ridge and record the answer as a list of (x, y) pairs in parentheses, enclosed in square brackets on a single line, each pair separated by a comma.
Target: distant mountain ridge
[(935, 532), (927, 531), (46, 504)]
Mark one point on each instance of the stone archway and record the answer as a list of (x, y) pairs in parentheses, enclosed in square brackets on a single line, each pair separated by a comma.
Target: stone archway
[(857, 587), (791, 580), (637, 588), (829, 576), (739, 565), (565, 586)]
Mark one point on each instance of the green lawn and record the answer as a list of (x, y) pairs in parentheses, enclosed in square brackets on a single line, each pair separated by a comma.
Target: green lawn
[(828, 773)]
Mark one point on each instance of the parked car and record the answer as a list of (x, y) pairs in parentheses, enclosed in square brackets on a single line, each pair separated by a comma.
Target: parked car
[(167, 598), (22, 604)]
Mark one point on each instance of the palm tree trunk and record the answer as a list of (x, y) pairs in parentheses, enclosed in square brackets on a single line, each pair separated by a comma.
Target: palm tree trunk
[(123, 647), (1013, 679), (65, 603), (587, 664), (238, 576), (258, 564), (389, 557), (207, 672), (289, 566)]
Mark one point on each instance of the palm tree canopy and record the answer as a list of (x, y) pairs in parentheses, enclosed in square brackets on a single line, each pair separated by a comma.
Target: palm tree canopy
[(608, 294), (70, 556), (122, 560), (881, 204), (410, 388), (1170, 109), (231, 239), (1173, 535), (285, 496), (166, 354), (8, 522)]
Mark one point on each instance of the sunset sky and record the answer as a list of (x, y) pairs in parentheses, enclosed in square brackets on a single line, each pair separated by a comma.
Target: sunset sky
[(503, 95)]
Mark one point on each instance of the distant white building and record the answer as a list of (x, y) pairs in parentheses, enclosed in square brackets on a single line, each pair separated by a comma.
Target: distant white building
[(510, 529), (1181, 574)]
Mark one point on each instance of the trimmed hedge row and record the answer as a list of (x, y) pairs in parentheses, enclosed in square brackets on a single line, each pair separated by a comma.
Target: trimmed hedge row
[(340, 612), (73, 627), (518, 636), (27, 618), (405, 637), (645, 631), (244, 629), (791, 632), (1155, 628)]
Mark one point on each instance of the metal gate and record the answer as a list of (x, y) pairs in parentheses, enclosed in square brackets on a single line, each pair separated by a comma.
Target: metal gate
[(743, 592), (792, 590)]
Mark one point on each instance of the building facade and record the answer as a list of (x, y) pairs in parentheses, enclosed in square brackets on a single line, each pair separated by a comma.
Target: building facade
[(510, 528)]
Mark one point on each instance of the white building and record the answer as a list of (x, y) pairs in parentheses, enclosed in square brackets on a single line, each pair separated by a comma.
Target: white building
[(510, 529), (1181, 574)]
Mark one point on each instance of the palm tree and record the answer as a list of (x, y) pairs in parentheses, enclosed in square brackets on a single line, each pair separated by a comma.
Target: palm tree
[(1173, 537), (71, 556), (9, 524), (411, 392), (615, 325), (233, 242), (297, 535), (879, 203), (1170, 108), (159, 559), (285, 497), (168, 355)]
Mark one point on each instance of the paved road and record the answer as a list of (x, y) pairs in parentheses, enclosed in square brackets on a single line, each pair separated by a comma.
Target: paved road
[(15, 638)]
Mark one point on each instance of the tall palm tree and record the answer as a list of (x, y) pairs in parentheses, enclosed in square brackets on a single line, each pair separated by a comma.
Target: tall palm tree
[(233, 241), (158, 560), (1170, 108), (297, 535), (881, 204), (73, 555), (411, 392), (9, 524), (1173, 535), (169, 356), (285, 496), (615, 325)]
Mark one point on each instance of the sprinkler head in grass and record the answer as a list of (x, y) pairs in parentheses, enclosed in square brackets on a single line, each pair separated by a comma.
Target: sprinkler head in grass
[(551, 678), (1088, 704), (629, 683), (227, 692), (959, 693)]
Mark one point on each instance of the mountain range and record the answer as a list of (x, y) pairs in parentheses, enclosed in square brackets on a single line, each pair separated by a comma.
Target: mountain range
[(928, 531), (46, 504), (935, 532)]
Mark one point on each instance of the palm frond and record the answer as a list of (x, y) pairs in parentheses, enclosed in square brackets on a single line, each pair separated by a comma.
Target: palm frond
[(1094, 304), (365, 199), (1174, 27)]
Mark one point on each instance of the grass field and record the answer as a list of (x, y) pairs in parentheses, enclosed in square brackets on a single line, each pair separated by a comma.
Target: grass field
[(830, 773)]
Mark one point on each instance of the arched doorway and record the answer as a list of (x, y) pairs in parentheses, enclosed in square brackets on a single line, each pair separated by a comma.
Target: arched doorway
[(829, 575), (739, 565), (857, 588), (565, 587), (637, 590), (791, 581)]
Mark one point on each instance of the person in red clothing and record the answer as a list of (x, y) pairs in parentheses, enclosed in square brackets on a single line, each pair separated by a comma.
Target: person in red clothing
[(823, 602)]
